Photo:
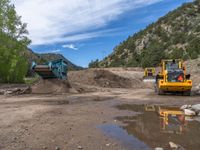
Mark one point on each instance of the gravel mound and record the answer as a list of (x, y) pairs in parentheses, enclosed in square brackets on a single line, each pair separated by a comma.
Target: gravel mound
[(193, 67), (54, 86), (103, 78)]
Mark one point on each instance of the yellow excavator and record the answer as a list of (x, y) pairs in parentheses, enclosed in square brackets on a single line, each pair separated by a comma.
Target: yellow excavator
[(149, 75), (173, 78)]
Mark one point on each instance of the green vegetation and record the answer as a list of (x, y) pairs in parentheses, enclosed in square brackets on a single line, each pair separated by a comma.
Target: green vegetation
[(13, 43), (94, 64), (153, 55), (31, 80), (176, 35)]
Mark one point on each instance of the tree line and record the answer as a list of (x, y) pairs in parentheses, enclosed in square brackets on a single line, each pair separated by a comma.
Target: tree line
[(13, 44)]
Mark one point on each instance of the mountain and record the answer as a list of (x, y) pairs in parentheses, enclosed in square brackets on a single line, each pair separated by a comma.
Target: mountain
[(176, 35), (42, 58)]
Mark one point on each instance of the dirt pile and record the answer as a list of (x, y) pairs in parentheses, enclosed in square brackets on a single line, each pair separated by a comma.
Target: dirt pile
[(14, 89), (197, 91), (53, 86), (103, 78), (193, 67)]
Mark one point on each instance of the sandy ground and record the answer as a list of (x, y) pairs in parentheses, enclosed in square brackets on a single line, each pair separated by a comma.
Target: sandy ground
[(71, 121)]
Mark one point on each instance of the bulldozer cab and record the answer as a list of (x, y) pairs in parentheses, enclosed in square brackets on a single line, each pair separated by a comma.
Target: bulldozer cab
[(149, 75), (149, 72), (175, 70), (175, 76), (172, 64)]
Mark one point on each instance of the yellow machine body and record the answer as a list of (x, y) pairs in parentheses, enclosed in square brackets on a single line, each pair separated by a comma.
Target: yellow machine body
[(149, 75), (172, 121), (173, 77), (149, 72), (175, 87)]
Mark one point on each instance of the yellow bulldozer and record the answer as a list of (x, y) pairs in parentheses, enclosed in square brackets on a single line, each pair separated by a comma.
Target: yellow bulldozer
[(173, 78), (149, 75)]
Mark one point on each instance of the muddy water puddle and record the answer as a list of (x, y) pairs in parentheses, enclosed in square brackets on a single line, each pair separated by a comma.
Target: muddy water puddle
[(148, 129)]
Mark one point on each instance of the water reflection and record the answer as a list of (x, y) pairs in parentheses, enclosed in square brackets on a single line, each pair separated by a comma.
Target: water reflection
[(128, 141), (157, 126)]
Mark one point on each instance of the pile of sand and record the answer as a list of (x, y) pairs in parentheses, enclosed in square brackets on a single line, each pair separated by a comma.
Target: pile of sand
[(89, 80), (53, 86), (103, 78)]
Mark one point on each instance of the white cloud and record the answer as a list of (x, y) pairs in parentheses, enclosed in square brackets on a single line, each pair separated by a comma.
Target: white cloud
[(55, 51), (71, 20), (70, 46)]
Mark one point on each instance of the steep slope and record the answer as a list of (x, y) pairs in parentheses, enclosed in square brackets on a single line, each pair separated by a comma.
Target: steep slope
[(176, 35), (42, 58)]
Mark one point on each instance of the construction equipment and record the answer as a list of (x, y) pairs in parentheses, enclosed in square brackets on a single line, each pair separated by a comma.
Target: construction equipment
[(172, 120), (51, 69), (149, 75), (166, 112), (173, 78)]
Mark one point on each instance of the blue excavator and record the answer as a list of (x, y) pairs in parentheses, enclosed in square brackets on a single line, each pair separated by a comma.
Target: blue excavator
[(52, 69)]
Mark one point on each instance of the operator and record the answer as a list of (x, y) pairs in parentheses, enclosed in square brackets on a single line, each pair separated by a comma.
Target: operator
[(180, 78)]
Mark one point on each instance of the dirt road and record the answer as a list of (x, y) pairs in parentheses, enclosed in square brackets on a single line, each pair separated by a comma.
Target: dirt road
[(87, 120)]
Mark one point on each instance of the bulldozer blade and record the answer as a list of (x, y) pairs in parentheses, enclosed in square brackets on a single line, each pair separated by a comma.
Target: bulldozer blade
[(152, 80)]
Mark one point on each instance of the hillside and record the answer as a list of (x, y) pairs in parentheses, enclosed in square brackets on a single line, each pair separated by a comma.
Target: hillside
[(42, 58), (176, 35)]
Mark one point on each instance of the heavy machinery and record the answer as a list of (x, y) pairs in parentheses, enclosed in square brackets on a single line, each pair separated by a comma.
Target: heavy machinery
[(149, 75), (51, 69), (173, 78), (172, 120)]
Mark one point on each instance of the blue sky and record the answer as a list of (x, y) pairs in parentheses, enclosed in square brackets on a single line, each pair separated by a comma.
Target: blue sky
[(85, 30)]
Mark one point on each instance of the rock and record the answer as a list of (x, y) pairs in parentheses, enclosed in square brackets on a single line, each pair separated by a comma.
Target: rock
[(189, 112), (173, 145), (104, 122), (185, 107), (107, 83), (197, 90), (15, 138), (57, 148), (159, 148), (196, 107), (1, 92), (44, 147), (80, 147)]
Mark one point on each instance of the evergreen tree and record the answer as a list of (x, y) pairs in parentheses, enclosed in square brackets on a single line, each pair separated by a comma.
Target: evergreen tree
[(152, 55), (94, 64)]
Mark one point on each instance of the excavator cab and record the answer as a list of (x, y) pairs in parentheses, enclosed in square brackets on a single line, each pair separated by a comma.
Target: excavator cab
[(173, 78)]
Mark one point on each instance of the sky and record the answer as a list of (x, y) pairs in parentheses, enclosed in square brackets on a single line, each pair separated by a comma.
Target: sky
[(85, 30)]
